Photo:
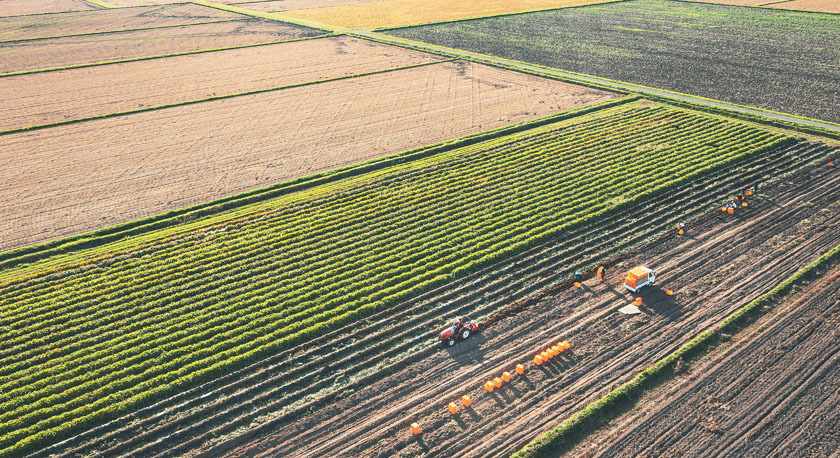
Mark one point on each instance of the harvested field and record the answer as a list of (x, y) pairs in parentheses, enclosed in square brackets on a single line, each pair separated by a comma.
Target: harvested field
[(725, 263), (826, 6), (777, 60), (282, 5), (775, 390), (122, 168), (150, 321), (58, 52), (107, 20), (41, 98), (396, 13), (20, 7)]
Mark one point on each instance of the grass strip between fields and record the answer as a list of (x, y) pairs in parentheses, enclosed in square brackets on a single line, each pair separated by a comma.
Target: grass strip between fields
[(605, 83), (598, 413), (269, 16), (105, 32), (217, 97), (159, 56), (36, 259), (101, 3), (765, 6)]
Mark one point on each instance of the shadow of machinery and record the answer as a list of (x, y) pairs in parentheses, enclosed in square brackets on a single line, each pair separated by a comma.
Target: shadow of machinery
[(656, 301), (467, 351)]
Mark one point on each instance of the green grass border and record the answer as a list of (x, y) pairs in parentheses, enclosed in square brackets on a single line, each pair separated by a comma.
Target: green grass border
[(26, 255), (599, 412), (101, 3), (216, 97), (515, 65), (23, 40), (159, 56)]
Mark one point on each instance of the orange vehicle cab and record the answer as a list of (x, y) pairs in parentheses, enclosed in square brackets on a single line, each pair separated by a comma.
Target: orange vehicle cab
[(638, 277)]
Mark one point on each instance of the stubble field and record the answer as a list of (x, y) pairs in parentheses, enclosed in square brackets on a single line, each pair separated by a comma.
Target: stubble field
[(21, 7)]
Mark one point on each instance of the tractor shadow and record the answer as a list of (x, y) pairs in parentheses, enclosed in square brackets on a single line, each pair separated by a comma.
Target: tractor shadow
[(467, 351), (656, 302)]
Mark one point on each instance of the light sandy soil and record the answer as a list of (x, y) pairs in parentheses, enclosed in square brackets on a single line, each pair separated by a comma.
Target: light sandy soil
[(57, 52), (74, 178), (283, 5), (40, 98), (107, 20), (826, 6), (774, 390), (17, 7)]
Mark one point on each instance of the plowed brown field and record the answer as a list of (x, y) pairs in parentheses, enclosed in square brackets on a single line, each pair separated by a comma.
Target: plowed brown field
[(108, 20), (32, 55), (775, 391), (826, 6), (19, 7), (723, 263), (73, 178), (40, 98)]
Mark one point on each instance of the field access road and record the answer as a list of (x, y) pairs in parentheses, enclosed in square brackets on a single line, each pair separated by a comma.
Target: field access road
[(592, 79)]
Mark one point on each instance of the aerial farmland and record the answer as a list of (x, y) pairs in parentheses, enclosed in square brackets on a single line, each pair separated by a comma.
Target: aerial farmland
[(317, 228)]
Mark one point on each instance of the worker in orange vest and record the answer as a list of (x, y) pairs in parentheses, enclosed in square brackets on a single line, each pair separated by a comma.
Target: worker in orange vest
[(602, 273), (681, 229)]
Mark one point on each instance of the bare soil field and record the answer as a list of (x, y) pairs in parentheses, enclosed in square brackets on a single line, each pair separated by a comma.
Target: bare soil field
[(107, 20), (20, 7), (723, 263), (283, 5), (58, 52), (825, 6), (41, 98), (773, 391), (74, 178)]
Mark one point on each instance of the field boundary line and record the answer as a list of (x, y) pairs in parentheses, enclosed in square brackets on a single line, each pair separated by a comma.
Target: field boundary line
[(88, 11), (608, 407), (159, 56), (269, 16), (475, 18), (218, 97), (574, 77), (106, 236), (101, 3), (761, 7), (118, 31)]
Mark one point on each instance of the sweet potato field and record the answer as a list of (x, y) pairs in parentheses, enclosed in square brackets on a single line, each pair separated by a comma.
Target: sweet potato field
[(776, 60), (87, 343)]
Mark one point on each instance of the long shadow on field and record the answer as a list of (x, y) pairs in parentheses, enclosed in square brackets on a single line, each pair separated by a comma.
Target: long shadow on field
[(468, 351), (657, 302)]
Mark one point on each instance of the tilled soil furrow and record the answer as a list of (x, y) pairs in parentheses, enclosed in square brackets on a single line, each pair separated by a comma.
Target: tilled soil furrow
[(744, 289)]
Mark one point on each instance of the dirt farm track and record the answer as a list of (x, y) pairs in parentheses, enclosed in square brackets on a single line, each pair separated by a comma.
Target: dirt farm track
[(722, 265)]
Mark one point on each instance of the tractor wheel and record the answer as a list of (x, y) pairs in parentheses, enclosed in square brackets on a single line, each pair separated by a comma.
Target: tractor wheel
[(465, 333), (450, 341)]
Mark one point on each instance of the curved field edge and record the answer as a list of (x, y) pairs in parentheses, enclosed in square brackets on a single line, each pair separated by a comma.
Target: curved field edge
[(598, 413), (36, 259), (187, 348)]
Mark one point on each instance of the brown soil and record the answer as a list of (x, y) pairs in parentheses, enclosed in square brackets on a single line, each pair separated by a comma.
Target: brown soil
[(826, 6), (57, 25), (32, 55), (283, 5), (74, 178), (41, 98), (774, 390), (18, 7), (722, 264)]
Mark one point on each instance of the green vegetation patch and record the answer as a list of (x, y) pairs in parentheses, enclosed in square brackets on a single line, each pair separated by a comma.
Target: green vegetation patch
[(86, 343), (778, 60)]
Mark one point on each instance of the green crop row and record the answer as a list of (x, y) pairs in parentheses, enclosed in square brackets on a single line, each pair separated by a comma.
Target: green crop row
[(85, 345)]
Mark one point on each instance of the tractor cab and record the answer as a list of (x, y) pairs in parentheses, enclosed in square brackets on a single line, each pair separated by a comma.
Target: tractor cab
[(461, 329)]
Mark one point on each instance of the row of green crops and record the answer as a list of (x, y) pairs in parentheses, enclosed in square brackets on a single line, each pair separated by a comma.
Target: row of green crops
[(83, 345)]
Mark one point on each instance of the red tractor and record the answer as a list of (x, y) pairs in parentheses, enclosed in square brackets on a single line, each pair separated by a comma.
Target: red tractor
[(460, 329)]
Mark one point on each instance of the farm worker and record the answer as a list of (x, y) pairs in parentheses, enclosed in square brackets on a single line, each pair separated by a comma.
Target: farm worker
[(681, 229), (602, 273), (578, 276)]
